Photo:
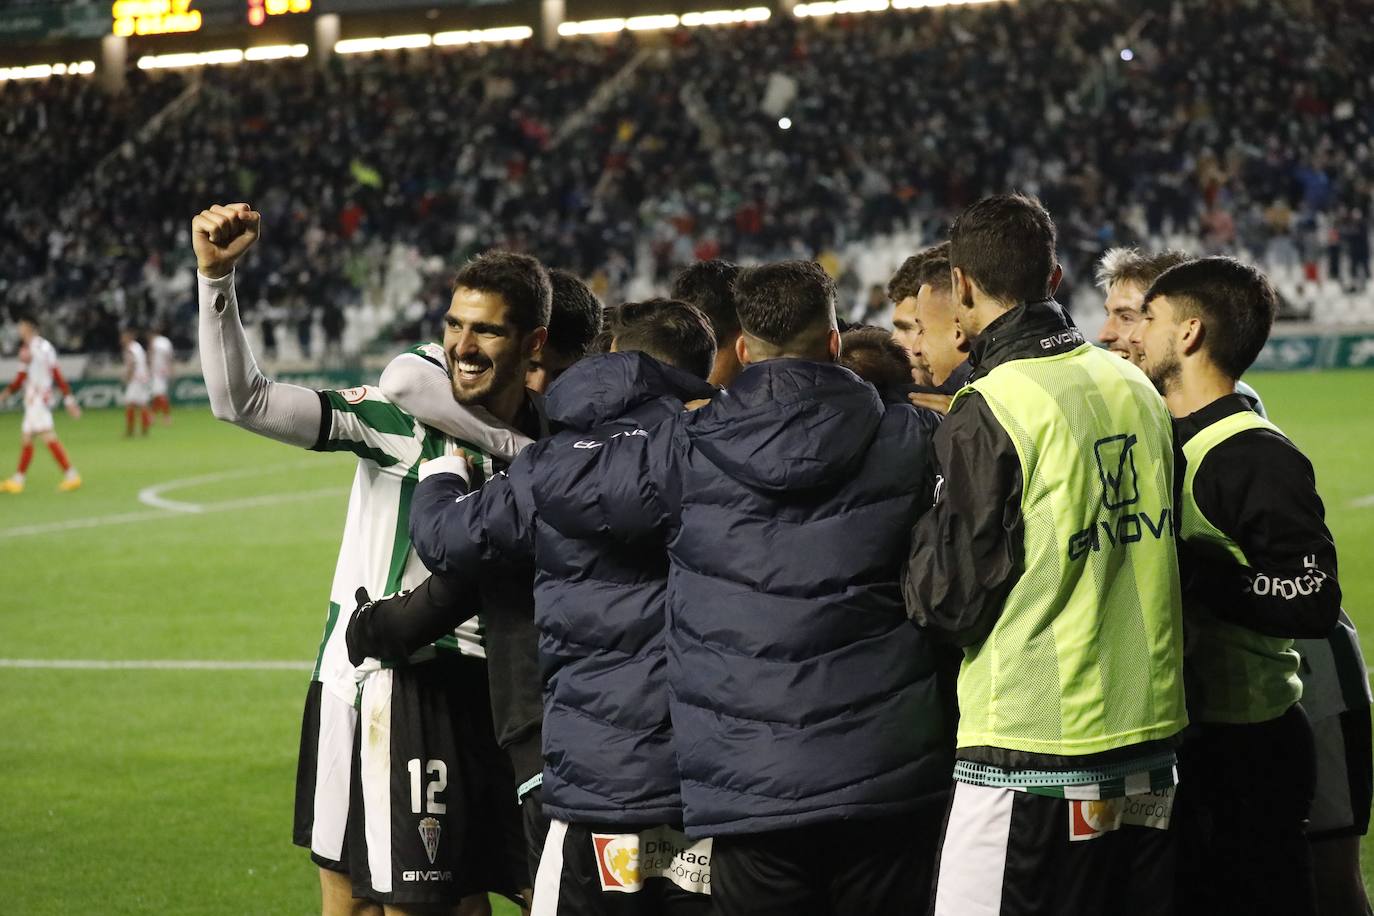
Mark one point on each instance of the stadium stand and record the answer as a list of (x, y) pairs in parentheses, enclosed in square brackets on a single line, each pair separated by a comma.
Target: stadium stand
[(1244, 127)]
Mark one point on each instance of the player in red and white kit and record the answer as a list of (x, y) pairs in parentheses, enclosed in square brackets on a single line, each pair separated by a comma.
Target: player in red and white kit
[(160, 356), (38, 373), (137, 383)]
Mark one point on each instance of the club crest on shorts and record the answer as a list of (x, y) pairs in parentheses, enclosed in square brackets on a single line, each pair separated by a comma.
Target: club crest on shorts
[(429, 833), (617, 861), (624, 861), (1089, 819)]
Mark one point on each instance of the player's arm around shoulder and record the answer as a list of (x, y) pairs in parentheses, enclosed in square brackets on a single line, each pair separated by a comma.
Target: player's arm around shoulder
[(394, 627), (619, 482), (454, 527), (418, 382)]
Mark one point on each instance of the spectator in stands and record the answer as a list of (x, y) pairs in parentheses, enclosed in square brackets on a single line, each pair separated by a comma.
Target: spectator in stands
[(459, 150)]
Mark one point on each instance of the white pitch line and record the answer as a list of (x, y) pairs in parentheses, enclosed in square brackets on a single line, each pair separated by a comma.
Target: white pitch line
[(95, 664), (99, 521), (1364, 502), (152, 496)]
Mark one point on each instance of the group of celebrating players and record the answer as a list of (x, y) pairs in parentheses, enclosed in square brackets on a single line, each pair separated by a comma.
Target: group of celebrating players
[(749, 614)]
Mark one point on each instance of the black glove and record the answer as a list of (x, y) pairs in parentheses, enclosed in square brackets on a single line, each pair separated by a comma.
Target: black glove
[(359, 637), (394, 627)]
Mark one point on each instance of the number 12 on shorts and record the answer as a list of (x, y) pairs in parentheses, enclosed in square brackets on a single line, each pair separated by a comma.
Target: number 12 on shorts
[(439, 771)]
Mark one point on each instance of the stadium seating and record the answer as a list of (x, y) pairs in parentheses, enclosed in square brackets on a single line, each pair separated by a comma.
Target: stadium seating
[(1245, 127)]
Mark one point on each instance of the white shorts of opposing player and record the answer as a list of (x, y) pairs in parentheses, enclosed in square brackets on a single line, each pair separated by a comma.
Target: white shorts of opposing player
[(137, 394), (37, 420)]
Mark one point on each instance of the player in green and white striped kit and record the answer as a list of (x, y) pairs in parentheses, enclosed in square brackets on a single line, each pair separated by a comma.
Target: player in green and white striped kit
[(429, 769)]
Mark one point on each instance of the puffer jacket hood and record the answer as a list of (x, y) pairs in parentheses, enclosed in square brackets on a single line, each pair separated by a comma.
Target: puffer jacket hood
[(606, 388), (789, 424)]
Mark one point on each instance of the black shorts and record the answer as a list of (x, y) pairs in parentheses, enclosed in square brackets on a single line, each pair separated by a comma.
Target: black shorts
[(1244, 798), (1345, 776), (601, 870), (1011, 853), (434, 817), (883, 865), (328, 727), (536, 829)]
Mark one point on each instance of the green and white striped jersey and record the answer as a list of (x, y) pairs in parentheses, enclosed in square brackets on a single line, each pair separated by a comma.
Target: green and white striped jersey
[(376, 553)]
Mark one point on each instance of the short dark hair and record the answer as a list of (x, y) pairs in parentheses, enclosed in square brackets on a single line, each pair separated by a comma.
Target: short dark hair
[(1236, 303), (1131, 265), (1005, 244), (576, 316), (779, 302), (930, 265), (602, 342), (673, 332), (709, 285), (518, 279), (874, 356)]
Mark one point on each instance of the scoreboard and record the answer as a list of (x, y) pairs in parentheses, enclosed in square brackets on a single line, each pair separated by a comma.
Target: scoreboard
[(154, 17), (259, 10), (165, 17)]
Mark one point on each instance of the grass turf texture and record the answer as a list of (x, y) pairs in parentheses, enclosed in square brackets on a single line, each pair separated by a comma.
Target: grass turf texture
[(170, 791)]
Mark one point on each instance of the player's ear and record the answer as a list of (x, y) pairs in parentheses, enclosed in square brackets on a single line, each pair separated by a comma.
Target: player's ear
[(962, 287), (742, 350), (534, 342), (1190, 335)]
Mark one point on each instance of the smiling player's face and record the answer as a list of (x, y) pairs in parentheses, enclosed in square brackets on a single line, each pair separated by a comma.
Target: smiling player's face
[(486, 352)]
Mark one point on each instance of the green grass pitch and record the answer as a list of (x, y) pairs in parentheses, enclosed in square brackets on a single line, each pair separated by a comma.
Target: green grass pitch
[(155, 791)]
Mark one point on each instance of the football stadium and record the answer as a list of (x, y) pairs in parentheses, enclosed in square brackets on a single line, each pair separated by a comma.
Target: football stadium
[(628, 457)]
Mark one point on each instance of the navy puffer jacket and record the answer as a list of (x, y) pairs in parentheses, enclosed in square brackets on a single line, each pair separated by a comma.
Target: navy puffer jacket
[(800, 692), (600, 605)]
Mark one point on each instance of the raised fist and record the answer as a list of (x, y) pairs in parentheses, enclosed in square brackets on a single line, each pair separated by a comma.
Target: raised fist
[(220, 236)]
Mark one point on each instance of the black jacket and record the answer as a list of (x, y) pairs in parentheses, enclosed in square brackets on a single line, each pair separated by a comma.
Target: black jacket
[(1260, 491), (955, 583)]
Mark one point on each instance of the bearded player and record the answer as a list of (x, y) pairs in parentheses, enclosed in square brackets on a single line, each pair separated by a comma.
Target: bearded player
[(390, 802), (1336, 695), (38, 373), (1123, 275)]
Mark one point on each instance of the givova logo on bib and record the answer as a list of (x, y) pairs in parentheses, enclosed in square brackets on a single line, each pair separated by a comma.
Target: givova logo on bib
[(626, 860), (1116, 471)]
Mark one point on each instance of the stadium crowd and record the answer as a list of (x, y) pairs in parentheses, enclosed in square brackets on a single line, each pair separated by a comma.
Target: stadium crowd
[(1243, 125)]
